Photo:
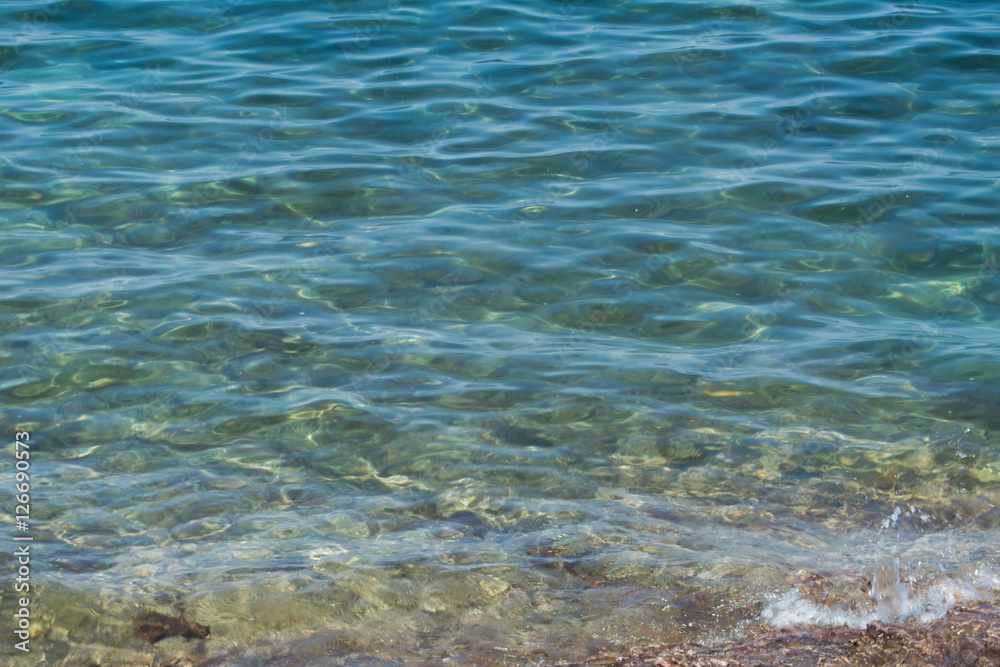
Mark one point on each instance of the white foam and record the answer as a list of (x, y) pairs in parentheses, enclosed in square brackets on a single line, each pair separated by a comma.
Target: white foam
[(925, 593), (793, 609), (899, 604), (891, 520)]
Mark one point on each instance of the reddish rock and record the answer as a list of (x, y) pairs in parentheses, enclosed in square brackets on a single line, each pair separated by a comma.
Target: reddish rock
[(969, 635), (153, 626)]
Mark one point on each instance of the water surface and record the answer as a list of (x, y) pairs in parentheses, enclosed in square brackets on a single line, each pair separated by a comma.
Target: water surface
[(496, 332)]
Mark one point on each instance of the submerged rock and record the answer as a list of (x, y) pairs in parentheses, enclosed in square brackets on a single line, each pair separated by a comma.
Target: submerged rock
[(968, 635), (152, 626)]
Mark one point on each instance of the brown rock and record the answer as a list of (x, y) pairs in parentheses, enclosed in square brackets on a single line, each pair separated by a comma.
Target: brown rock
[(153, 626), (968, 635)]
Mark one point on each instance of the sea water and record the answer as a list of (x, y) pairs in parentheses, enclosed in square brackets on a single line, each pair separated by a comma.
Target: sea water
[(496, 332)]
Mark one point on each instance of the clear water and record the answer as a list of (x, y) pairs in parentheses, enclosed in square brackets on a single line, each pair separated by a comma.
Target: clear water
[(495, 332)]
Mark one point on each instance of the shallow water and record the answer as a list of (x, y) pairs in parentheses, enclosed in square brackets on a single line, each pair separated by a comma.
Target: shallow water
[(499, 333)]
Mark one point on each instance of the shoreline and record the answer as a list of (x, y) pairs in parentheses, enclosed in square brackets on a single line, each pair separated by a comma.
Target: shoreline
[(969, 634)]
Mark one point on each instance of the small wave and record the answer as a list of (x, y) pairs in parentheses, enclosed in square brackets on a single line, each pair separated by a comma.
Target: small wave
[(793, 608), (891, 603)]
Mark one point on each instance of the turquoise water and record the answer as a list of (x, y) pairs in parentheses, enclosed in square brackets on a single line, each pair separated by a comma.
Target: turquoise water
[(497, 333)]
